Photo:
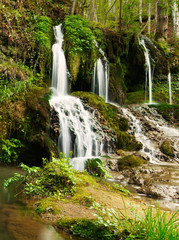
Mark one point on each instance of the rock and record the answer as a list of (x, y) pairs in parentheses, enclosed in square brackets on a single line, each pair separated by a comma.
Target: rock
[(166, 148), (112, 164)]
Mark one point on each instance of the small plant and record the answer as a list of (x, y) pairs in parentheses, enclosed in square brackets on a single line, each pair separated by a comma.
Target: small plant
[(10, 150), (120, 188), (96, 167)]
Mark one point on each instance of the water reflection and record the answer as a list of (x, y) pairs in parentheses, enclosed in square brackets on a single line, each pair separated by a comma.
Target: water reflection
[(16, 222)]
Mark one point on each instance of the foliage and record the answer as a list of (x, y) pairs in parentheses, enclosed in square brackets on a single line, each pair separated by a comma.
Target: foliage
[(129, 162), (90, 230), (56, 176), (10, 150), (96, 167), (154, 225), (78, 35)]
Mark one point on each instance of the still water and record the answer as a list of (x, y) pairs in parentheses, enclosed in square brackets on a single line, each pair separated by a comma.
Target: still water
[(17, 222)]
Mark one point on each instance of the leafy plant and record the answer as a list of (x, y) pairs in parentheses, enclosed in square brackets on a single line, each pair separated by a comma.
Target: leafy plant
[(56, 176), (10, 150), (78, 34), (96, 167)]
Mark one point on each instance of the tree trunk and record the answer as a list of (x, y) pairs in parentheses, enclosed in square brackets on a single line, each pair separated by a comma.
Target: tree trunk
[(175, 13), (120, 15), (149, 18), (73, 7), (162, 20), (140, 13)]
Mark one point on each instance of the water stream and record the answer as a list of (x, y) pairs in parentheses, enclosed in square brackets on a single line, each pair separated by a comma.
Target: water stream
[(17, 222), (148, 69), (101, 77)]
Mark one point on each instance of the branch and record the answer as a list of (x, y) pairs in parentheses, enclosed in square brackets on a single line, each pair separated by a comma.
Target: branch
[(111, 8)]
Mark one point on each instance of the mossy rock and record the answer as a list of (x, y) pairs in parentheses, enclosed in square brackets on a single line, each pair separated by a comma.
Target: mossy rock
[(167, 149), (127, 142), (130, 162), (123, 124)]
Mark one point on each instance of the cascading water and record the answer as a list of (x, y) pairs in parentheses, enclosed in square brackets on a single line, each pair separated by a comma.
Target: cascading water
[(170, 89), (75, 123), (148, 68), (101, 77), (137, 129)]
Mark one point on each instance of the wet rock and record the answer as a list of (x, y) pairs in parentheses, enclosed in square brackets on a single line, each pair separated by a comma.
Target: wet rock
[(112, 164)]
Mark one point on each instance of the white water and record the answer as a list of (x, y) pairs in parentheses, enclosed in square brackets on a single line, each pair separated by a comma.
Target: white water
[(59, 70), (170, 89), (148, 68), (101, 77), (138, 131), (75, 123)]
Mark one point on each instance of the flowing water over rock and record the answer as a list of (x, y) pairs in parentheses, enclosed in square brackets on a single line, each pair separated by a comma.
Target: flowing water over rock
[(77, 127), (148, 69), (101, 77), (152, 130)]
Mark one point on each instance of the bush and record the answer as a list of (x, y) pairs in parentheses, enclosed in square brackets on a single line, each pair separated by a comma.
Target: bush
[(10, 150), (56, 176), (95, 167)]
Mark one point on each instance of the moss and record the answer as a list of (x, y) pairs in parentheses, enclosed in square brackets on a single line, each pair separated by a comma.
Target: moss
[(128, 142), (49, 204), (166, 148), (129, 162), (86, 228), (123, 124), (135, 97), (82, 197)]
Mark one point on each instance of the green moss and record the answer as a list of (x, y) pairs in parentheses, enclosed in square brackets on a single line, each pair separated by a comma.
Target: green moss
[(48, 204), (129, 162), (127, 142), (123, 124), (135, 97), (166, 148), (82, 197), (87, 229)]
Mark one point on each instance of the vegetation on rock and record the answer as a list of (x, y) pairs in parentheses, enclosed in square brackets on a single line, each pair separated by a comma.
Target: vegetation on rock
[(129, 162), (166, 148)]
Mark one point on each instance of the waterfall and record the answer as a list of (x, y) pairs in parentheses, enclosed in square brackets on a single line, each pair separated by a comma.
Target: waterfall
[(169, 86), (101, 77), (148, 69), (76, 125), (59, 70)]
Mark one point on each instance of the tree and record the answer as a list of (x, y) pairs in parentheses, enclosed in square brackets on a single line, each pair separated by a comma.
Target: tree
[(161, 19), (175, 14)]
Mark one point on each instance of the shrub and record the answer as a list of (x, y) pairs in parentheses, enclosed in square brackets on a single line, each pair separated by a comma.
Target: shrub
[(95, 167), (10, 150)]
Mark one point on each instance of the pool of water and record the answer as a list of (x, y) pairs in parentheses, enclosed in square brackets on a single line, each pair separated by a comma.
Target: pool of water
[(17, 222)]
